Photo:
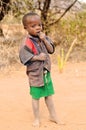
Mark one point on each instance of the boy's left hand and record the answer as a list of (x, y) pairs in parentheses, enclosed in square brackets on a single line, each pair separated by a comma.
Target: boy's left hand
[(42, 36)]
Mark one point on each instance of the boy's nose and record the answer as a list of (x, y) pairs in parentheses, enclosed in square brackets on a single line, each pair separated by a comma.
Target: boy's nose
[(38, 27)]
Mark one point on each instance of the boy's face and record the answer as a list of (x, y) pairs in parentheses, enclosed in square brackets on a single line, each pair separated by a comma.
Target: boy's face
[(34, 25)]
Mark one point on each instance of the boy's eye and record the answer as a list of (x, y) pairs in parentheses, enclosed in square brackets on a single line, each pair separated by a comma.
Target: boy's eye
[(40, 25), (33, 26)]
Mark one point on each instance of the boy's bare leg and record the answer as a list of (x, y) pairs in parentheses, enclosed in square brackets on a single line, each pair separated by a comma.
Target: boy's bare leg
[(35, 105), (50, 106)]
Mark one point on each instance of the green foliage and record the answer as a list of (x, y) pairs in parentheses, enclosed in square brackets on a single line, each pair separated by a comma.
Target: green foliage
[(74, 27), (63, 33), (62, 57)]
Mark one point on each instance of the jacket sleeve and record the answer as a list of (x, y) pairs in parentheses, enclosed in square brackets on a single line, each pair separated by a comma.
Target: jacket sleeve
[(25, 55), (50, 41)]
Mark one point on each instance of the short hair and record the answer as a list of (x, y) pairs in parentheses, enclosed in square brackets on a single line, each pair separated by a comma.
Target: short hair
[(24, 19)]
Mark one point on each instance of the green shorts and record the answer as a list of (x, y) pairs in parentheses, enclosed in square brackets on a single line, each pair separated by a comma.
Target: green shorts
[(43, 91)]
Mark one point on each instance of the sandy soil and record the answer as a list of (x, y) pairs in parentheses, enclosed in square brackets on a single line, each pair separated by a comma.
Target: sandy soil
[(70, 99)]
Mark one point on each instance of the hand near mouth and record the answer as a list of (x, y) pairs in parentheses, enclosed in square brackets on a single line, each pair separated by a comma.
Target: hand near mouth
[(41, 35)]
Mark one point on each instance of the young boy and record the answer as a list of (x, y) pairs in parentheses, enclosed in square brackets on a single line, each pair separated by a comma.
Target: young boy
[(34, 54)]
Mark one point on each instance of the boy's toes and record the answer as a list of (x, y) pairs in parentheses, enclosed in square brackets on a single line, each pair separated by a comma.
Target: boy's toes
[(55, 120), (36, 123)]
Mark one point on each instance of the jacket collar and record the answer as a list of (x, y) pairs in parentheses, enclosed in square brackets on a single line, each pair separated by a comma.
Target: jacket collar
[(34, 38)]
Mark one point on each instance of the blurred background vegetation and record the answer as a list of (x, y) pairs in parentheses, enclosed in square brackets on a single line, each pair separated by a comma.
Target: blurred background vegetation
[(63, 20)]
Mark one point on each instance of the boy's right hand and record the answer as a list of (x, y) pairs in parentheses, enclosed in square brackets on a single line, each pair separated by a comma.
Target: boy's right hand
[(42, 56)]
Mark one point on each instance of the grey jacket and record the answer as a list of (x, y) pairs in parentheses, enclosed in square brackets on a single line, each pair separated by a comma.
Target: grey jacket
[(35, 69)]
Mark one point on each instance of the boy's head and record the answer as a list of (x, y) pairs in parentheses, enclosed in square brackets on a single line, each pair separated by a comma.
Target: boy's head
[(32, 23)]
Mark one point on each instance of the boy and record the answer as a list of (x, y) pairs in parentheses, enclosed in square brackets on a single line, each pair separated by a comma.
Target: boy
[(34, 54)]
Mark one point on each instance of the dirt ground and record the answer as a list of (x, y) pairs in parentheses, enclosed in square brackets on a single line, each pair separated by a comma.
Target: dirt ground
[(70, 99)]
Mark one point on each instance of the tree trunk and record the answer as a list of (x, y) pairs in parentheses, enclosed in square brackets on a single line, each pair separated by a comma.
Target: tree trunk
[(4, 7), (44, 13)]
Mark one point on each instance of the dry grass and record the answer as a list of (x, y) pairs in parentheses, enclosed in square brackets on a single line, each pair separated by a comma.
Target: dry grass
[(9, 44), (63, 35), (8, 53)]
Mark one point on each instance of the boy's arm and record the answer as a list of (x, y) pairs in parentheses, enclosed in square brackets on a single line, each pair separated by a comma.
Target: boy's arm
[(49, 45), (47, 41), (26, 57), (40, 57)]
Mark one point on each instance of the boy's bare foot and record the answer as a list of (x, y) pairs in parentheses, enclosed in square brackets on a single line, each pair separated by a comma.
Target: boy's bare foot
[(36, 123), (55, 120)]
